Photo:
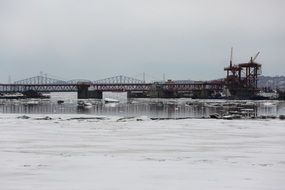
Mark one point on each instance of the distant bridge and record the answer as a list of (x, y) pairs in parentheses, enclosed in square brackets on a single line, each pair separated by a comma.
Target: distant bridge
[(88, 89), (120, 79), (9, 88)]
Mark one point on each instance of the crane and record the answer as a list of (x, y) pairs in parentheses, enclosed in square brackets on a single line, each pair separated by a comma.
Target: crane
[(231, 60), (253, 59)]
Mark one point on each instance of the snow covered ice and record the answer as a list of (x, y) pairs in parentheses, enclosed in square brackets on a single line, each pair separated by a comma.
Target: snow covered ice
[(85, 152)]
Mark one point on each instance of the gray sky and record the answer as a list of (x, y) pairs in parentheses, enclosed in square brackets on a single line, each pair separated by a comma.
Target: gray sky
[(94, 39)]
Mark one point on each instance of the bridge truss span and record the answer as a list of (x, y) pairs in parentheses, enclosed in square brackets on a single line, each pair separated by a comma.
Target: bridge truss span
[(71, 87), (14, 88), (119, 80), (40, 80), (122, 87)]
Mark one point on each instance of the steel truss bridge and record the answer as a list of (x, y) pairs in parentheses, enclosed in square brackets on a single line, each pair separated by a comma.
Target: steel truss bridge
[(114, 84), (13, 88)]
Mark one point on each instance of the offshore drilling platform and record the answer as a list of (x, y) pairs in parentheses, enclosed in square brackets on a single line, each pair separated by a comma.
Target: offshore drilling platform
[(241, 80)]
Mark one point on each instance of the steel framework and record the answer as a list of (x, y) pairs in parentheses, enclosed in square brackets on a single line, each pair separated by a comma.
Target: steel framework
[(78, 81), (119, 80), (115, 84), (40, 80), (242, 79), (10, 88)]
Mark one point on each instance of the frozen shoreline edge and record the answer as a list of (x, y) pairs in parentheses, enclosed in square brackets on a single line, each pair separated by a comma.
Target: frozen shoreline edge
[(69, 117)]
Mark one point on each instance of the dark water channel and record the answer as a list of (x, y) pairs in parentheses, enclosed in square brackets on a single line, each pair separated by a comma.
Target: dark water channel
[(156, 108)]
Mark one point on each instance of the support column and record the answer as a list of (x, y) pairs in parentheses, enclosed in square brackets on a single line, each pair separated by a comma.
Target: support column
[(169, 94), (95, 94), (82, 92), (129, 94), (141, 94)]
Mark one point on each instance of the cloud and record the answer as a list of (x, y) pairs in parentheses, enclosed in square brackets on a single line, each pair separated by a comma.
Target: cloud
[(92, 38)]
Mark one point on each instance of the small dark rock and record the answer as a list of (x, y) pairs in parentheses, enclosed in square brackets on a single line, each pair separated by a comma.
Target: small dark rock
[(272, 117), (215, 116), (44, 118), (23, 117), (87, 118), (60, 101), (124, 119), (267, 117)]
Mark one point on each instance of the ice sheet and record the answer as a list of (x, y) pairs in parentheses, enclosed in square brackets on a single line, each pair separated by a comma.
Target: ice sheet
[(79, 152)]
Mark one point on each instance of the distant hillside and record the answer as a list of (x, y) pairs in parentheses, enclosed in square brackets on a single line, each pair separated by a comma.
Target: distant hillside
[(272, 82)]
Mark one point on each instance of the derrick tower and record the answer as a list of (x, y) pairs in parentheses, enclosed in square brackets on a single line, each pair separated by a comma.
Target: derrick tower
[(241, 80)]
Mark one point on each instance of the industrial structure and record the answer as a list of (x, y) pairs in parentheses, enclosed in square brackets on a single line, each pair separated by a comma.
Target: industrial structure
[(241, 80)]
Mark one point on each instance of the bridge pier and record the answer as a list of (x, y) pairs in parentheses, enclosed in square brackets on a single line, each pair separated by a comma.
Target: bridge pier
[(95, 94), (169, 94), (138, 94), (162, 94), (82, 91), (202, 94)]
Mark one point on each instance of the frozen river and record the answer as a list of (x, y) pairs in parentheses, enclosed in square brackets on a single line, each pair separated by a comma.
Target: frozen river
[(158, 108), (74, 152)]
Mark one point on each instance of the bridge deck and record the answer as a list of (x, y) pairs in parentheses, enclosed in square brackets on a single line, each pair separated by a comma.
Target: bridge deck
[(9, 88)]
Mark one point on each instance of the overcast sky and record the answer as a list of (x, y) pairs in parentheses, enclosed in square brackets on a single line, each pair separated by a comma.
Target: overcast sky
[(93, 39)]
